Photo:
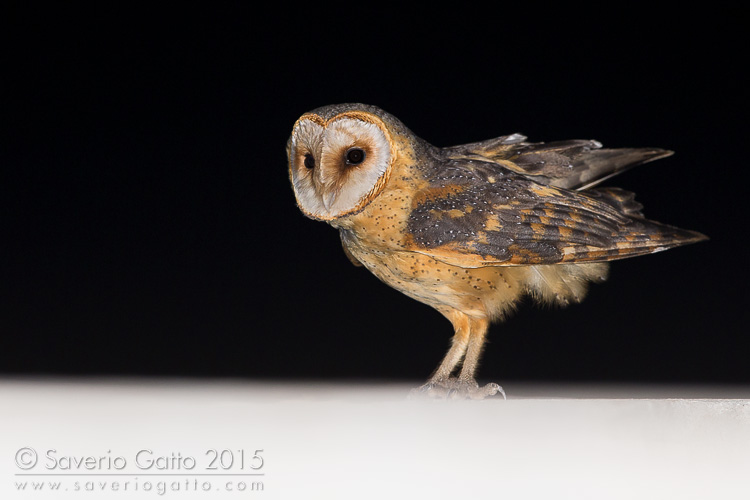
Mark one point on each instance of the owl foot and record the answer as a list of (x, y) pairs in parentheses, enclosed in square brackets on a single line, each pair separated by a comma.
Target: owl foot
[(456, 388)]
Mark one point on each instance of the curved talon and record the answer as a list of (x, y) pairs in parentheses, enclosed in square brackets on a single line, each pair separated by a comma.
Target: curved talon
[(497, 389)]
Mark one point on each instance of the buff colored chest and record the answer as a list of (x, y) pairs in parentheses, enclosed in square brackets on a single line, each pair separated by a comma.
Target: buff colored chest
[(379, 239)]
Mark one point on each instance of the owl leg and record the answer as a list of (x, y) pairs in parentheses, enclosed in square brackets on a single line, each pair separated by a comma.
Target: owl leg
[(467, 344), (479, 327), (460, 341)]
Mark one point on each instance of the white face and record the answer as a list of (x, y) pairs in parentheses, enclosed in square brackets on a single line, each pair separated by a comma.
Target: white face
[(337, 166)]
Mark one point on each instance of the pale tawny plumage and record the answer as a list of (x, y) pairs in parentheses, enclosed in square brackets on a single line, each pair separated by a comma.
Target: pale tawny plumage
[(470, 229)]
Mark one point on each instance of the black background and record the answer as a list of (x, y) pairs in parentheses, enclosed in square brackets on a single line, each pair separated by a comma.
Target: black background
[(148, 225)]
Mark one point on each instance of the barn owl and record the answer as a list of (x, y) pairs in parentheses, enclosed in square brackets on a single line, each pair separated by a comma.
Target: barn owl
[(470, 229)]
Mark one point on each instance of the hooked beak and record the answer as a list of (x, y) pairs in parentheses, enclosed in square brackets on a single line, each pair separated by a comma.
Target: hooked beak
[(329, 199), (327, 188)]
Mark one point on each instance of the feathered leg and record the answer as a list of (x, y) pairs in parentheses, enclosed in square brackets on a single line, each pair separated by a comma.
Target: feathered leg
[(460, 341), (479, 327), (467, 344)]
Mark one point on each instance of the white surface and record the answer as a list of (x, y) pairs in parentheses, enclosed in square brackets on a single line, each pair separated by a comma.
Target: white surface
[(364, 441)]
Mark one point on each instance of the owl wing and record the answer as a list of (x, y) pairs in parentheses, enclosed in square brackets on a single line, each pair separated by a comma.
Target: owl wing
[(573, 164), (475, 214)]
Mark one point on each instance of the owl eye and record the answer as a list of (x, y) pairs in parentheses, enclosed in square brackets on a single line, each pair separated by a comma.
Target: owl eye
[(355, 156), (309, 161)]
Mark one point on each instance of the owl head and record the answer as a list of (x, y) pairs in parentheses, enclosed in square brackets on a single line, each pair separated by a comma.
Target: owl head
[(340, 157)]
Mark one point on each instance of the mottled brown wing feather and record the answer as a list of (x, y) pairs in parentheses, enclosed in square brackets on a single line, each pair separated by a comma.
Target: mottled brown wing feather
[(572, 164), (494, 216)]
